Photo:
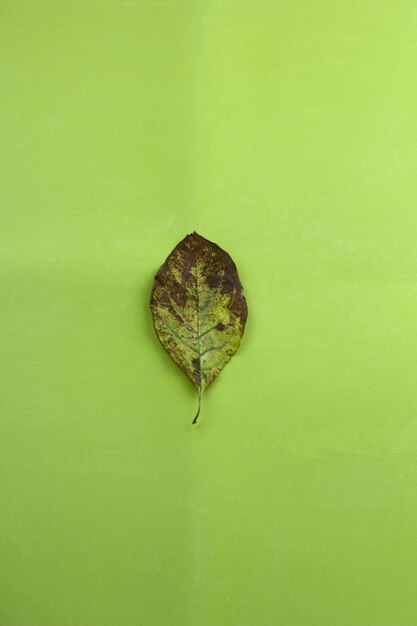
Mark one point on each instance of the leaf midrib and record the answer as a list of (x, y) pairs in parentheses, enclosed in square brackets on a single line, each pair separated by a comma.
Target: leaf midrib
[(198, 323)]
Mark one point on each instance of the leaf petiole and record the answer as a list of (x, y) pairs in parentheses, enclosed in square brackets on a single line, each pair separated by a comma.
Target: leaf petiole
[(199, 406)]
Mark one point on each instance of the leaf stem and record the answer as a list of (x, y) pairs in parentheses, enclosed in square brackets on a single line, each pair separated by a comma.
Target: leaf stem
[(199, 406)]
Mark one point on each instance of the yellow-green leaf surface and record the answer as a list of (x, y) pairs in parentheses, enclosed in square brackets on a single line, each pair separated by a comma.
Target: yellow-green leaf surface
[(199, 310)]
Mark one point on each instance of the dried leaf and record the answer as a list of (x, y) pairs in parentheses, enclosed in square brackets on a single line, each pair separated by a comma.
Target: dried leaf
[(199, 310)]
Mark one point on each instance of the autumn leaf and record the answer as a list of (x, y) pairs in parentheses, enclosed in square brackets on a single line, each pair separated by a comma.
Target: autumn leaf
[(199, 310)]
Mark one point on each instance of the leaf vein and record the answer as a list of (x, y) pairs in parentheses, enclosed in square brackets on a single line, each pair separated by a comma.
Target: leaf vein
[(214, 348), (181, 339)]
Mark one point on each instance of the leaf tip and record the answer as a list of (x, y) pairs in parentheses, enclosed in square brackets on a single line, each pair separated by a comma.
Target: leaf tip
[(195, 235)]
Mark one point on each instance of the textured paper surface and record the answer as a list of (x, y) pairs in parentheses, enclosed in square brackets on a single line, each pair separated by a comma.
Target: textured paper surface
[(285, 131)]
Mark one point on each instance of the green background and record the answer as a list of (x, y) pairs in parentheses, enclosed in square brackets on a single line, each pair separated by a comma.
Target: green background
[(285, 131)]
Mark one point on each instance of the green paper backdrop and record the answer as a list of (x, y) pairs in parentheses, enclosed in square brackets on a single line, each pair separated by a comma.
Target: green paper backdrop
[(285, 131)]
